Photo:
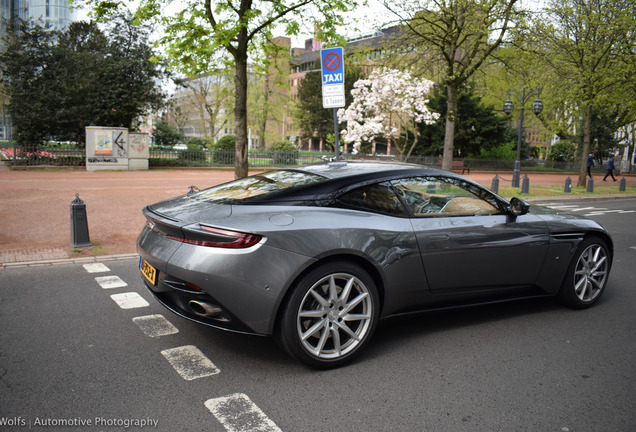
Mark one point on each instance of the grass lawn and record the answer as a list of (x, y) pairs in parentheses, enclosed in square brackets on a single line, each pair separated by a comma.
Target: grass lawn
[(550, 191)]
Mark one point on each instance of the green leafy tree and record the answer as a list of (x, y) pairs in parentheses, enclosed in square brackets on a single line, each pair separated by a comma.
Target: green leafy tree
[(61, 82), (29, 48), (478, 127), (451, 39), (602, 133), (205, 34), (166, 136), (206, 97), (590, 49)]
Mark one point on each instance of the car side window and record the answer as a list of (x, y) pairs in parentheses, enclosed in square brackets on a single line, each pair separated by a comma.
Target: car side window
[(379, 197), (434, 196)]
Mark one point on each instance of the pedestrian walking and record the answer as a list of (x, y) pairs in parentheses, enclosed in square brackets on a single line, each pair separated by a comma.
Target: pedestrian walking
[(590, 164), (610, 169)]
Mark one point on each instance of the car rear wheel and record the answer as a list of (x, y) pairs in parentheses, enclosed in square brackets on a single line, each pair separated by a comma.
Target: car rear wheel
[(330, 316), (587, 276)]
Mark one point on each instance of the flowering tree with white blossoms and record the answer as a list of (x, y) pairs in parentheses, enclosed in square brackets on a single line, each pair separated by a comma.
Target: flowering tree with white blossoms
[(390, 103)]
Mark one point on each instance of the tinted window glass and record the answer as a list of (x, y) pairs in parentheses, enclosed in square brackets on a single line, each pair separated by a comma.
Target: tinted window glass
[(376, 198), (430, 196), (258, 185)]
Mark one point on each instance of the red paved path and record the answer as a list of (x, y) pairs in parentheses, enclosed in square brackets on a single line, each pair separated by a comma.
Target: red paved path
[(35, 206)]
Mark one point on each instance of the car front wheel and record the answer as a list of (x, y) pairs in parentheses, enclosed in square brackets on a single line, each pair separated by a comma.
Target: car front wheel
[(330, 316), (587, 276)]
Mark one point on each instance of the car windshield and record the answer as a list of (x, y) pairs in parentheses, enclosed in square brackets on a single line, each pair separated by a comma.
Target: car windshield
[(259, 184)]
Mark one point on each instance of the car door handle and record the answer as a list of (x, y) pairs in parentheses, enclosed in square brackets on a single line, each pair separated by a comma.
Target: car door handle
[(439, 237)]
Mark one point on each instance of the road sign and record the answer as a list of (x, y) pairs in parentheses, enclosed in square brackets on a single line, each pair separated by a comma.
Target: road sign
[(333, 96), (332, 69), (332, 66)]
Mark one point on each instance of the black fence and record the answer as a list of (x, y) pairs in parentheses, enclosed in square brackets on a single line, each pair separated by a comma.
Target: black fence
[(225, 158), (44, 155), (72, 155)]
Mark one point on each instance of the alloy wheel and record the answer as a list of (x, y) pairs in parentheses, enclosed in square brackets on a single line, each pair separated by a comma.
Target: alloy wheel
[(335, 316), (590, 273)]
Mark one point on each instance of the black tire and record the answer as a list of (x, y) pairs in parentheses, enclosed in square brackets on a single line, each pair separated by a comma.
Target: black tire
[(330, 316), (587, 275)]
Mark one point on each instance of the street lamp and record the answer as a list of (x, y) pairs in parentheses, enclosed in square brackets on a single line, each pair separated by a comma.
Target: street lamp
[(508, 107)]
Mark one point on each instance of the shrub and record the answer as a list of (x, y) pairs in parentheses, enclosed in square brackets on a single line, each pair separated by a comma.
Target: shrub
[(192, 157), (195, 143), (163, 162), (224, 150), (507, 151), (228, 142), (283, 153), (562, 151)]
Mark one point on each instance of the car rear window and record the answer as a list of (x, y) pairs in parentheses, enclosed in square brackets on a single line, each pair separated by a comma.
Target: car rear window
[(259, 184)]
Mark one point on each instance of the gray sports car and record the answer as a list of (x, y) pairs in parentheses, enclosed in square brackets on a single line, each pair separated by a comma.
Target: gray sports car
[(317, 255)]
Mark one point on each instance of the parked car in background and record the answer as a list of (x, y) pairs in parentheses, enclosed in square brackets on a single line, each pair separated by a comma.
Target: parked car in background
[(317, 255)]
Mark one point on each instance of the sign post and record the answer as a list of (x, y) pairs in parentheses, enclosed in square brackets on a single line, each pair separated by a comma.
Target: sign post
[(333, 92)]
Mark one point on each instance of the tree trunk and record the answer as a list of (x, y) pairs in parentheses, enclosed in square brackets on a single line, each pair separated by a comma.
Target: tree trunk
[(449, 136), (240, 114), (263, 123), (587, 133)]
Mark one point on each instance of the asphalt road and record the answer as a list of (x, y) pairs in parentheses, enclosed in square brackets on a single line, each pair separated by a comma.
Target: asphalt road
[(82, 353)]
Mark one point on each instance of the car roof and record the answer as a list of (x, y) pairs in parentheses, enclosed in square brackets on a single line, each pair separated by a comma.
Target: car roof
[(361, 168), (341, 176)]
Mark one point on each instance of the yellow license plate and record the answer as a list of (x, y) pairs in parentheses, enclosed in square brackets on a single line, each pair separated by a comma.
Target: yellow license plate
[(148, 271)]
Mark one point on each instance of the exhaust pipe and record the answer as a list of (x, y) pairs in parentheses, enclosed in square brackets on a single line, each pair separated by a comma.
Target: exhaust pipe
[(204, 309)]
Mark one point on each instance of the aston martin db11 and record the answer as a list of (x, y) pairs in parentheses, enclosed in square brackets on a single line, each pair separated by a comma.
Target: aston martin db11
[(317, 255)]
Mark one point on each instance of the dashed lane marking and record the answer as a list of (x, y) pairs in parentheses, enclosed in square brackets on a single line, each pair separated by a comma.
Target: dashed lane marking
[(591, 211), (109, 282), (130, 300), (190, 362), (237, 413), (155, 325), (603, 211), (96, 268)]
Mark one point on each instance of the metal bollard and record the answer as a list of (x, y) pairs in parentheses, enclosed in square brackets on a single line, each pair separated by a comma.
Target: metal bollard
[(494, 186), (568, 185), (622, 186), (79, 223), (525, 185), (590, 185)]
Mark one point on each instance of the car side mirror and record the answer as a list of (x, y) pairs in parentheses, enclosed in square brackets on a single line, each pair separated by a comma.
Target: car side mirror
[(519, 207)]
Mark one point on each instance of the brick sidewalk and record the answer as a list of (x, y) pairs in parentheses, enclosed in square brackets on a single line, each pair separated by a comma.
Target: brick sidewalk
[(35, 206)]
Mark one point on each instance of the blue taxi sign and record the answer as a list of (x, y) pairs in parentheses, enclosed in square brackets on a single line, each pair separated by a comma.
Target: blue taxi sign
[(332, 66)]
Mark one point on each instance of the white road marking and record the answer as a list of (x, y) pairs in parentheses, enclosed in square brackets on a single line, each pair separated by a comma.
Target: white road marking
[(559, 206), (155, 325), (592, 211), (189, 362), (587, 208), (130, 300), (96, 268), (109, 282), (602, 212), (237, 413)]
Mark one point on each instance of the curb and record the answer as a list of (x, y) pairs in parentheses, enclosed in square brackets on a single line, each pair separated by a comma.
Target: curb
[(570, 197)]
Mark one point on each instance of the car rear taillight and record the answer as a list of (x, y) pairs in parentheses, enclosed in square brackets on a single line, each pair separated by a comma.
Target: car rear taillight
[(217, 237)]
